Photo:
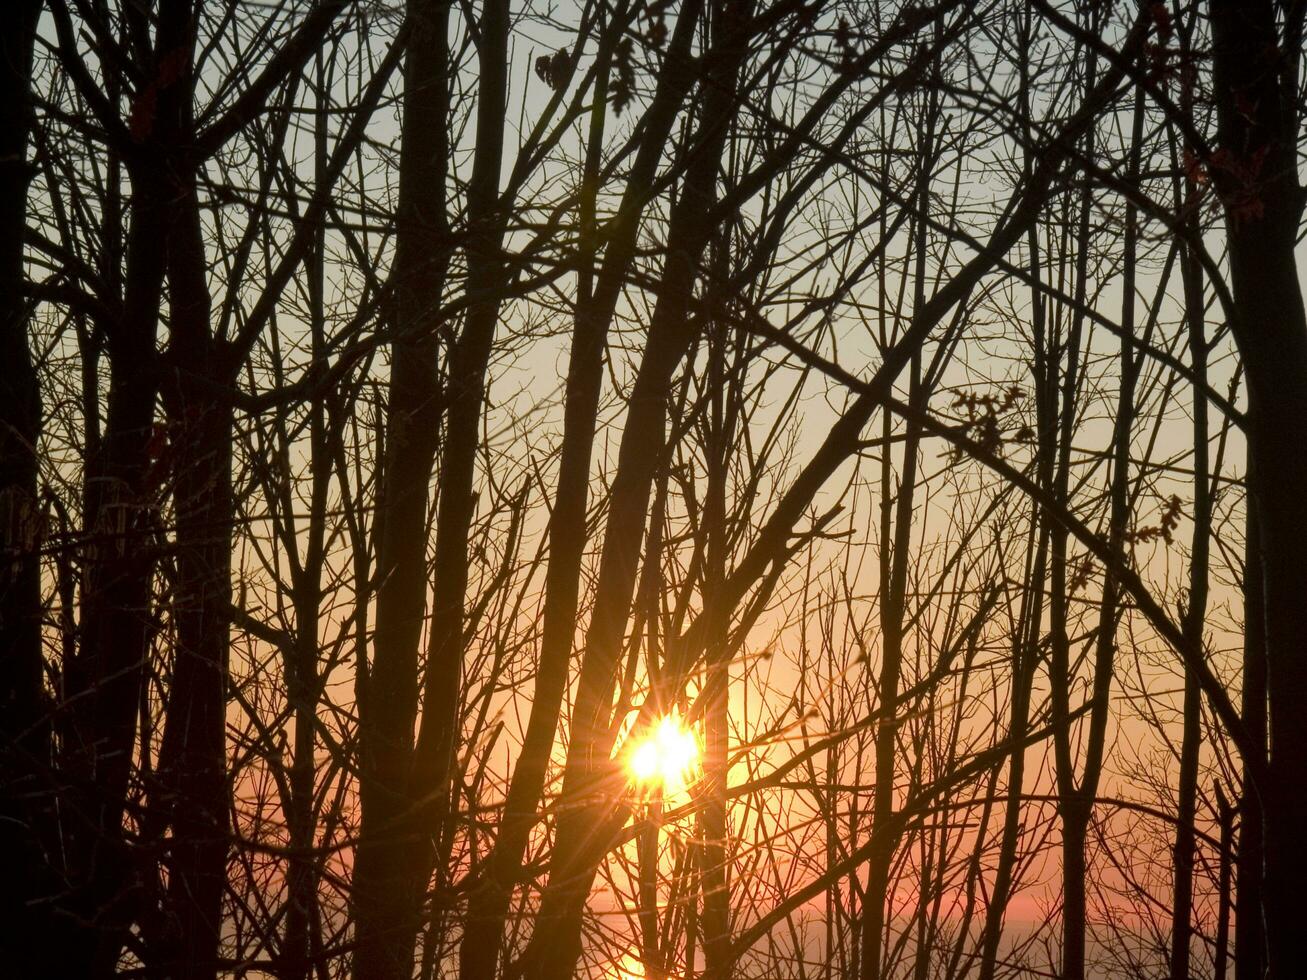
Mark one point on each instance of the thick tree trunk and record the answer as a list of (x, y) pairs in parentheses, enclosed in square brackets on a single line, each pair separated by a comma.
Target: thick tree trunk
[(465, 398), (1256, 78), (21, 699), (1279, 433), (192, 760), (24, 725), (387, 901), (103, 684)]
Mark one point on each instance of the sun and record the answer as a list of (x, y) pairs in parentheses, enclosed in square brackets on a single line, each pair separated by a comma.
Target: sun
[(666, 756), (628, 967)]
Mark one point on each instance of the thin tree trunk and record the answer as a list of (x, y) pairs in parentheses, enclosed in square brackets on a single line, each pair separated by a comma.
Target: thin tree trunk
[(1025, 643), (1025, 658), (647, 874), (1074, 811), (894, 568), (1076, 794), (1195, 608), (715, 923), (1249, 922), (1226, 813), (897, 506), (302, 681)]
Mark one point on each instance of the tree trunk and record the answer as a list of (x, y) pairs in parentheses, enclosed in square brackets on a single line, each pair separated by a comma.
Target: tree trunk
[(894, 568), (303, 685), (1076, 794), (1226, 813), (897, 506), (1194, 618), (1188, 205), (192, 762), (386, 902), (21, 696), (1256, 76), (1249, 923), (714, 854), (1024, 660), (24, 723)]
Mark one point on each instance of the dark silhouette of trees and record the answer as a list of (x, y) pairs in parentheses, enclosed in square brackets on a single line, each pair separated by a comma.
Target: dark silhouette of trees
[(410, 410)]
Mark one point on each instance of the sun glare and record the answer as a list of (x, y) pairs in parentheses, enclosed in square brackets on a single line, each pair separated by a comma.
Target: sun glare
[(666, 756), (628, 967)]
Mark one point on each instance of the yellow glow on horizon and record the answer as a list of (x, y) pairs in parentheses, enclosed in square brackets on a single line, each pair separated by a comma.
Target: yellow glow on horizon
[(667, 755)]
